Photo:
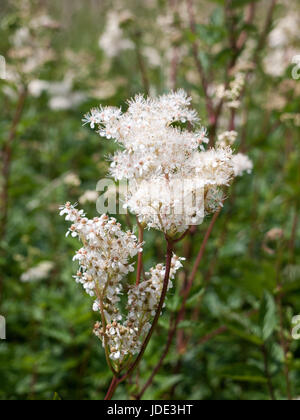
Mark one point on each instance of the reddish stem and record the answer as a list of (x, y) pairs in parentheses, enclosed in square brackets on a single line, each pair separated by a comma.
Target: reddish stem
[(6, 160), (266, 29), (249, 18), (111, 389), (292, 242), (174, 67), (6, 157)]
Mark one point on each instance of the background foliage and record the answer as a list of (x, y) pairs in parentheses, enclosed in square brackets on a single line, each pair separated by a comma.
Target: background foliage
[(235, 341)]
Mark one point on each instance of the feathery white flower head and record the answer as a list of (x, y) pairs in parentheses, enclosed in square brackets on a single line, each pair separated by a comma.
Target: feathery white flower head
[(158, 151)]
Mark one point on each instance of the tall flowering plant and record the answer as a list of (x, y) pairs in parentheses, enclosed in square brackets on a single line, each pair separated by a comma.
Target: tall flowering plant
[(162, 146)]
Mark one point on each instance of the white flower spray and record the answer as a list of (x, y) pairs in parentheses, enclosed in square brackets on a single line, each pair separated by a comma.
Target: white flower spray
[(162, 146), (105, 261)]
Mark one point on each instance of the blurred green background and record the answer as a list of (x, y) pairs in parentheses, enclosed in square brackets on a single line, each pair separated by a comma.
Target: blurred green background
[(235, 342)]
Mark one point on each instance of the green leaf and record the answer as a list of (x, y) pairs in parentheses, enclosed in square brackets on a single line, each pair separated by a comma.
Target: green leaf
[(217, 1), (173, 303), (245, 336), (188, 324), (56, 397), (166, 382), (242, 373), (267, 316), (195, 297), (164, 322), (245, 378), (242, 3), (290, 287)]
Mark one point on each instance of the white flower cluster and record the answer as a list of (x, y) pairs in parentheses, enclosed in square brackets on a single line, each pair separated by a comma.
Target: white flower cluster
[(157, 151), (113, 40), (104, 263), (170, 205), (61, 94), (89, 196), (125, 339), (104, 259), (228, 138), (283, 42), (233, 93), (72, 180), (147, 135), (30, 43), (294, 118), (241, 164), (40, 272)]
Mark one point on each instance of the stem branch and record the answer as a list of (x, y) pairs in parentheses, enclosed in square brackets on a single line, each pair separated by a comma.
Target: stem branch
[(116, 381), (140, 255), (180, 316)]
